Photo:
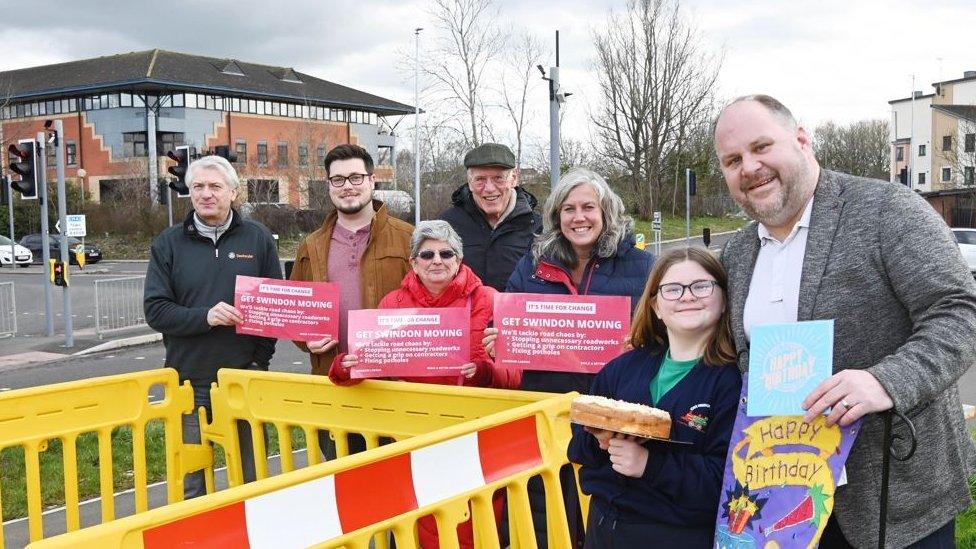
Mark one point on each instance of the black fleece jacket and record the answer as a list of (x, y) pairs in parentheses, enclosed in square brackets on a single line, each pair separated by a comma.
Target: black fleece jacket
[(187, 275), (492, 253)]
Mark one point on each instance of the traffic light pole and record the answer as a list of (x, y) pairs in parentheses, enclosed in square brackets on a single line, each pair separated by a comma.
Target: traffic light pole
[(169, 204), (10, 217), (69, 336), (41, 147)]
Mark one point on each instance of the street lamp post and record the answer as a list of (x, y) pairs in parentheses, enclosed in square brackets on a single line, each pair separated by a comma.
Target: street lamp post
[(416, 127)]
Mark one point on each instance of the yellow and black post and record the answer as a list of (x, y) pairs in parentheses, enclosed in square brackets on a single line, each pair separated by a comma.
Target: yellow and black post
[(58, 272)]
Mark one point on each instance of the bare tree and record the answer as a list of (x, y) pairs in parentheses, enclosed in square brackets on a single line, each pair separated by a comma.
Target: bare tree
[(655, 81), (517, 81), (467, 45), (860, 148)]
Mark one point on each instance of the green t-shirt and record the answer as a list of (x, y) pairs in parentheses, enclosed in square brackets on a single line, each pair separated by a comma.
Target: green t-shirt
[(671, 372)]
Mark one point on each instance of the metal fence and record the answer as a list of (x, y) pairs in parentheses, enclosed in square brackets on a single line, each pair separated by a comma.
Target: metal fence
[(118, 304), (8, 310)]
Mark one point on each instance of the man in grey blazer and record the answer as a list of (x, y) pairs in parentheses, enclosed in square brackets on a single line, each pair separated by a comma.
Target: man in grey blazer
[(878, 260)]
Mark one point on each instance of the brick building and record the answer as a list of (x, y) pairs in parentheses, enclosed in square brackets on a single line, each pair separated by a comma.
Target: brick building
[(278, 121), (933, 136)]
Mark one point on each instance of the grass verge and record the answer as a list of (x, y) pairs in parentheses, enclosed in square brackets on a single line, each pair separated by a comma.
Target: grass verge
[(674, 227), (13, 484)]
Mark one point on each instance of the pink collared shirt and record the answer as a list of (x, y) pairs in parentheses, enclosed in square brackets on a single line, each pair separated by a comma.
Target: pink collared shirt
[(345, 256)]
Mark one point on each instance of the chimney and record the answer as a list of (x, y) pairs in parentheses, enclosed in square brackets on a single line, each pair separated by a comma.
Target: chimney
[(917, 93), (969, 74)]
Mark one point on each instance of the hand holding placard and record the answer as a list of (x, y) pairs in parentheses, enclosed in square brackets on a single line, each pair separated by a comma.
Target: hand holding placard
[(301, 311), (578, 333)]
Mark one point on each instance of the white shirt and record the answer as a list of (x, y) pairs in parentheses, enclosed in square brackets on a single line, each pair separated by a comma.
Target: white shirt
[(774, 291)]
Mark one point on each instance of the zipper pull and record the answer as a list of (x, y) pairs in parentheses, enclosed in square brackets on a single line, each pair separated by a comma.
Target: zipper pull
[(216, 253)]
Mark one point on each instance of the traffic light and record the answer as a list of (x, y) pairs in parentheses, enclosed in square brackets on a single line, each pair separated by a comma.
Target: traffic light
[(59, 272), (692, 182), (182, 157), (23, 162), (223, 151), (162, 193), (5, 190)]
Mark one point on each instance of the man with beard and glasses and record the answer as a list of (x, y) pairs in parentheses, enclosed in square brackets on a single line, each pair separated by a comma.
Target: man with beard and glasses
[(878, 260), (360, 247)]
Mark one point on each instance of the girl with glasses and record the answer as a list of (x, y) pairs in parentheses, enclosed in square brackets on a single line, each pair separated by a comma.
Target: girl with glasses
[(683, 362)]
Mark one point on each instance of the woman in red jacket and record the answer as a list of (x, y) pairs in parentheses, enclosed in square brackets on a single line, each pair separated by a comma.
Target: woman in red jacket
[(439, 279)]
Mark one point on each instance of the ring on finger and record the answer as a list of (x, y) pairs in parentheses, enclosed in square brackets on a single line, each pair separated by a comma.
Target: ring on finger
[(845, 404)]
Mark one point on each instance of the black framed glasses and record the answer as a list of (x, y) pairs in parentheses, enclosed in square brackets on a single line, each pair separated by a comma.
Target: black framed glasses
[(427, 255), (673, 291), (338, 181)]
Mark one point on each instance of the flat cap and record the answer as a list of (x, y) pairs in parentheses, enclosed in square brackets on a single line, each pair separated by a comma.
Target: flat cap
[(490, 154)]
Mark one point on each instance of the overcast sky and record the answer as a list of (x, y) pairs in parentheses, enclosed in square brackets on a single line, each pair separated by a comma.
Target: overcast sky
[(830, 59)]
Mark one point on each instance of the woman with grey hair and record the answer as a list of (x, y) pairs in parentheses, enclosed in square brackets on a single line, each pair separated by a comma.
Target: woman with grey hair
[(439, 279), (586, 248)]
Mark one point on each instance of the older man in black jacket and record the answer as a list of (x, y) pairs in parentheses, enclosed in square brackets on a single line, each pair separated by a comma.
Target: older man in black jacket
[(495, 218), (189, 293)]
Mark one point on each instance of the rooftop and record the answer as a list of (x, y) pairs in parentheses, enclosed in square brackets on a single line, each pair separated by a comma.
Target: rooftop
[(159, 71)]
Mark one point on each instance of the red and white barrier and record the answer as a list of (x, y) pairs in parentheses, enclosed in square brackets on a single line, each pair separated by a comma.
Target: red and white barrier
[(325, 508)]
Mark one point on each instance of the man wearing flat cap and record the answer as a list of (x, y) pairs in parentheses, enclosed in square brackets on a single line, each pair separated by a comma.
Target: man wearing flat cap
[(495, 218)]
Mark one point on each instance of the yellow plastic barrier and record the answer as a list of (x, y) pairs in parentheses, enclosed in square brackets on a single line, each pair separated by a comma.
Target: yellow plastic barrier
[(374, 409), (456, 447), (30, 418)]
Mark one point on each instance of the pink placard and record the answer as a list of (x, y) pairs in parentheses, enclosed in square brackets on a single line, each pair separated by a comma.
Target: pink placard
[(302, 311), (409, 342), (563, 333)]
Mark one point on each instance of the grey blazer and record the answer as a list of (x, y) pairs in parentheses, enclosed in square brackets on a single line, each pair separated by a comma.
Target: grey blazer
[(884, 266)]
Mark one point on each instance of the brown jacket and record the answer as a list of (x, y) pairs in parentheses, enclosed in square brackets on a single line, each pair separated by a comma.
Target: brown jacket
[(385, 262)]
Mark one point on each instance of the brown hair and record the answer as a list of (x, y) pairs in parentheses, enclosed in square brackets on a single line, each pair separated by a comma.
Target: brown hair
[(648, 329), (348, 152)]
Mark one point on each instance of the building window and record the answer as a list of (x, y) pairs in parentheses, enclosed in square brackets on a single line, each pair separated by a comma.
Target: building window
[(970, 142), (947, 143), (303, 155), (385, 156), (318, 194), (241, 151), (921, 151), (134, 144), (168, 141), (320, 156), (262, 191), (262, 153), (71, 153), (282, 160), (921, 178), (946, 174), (970, 175)]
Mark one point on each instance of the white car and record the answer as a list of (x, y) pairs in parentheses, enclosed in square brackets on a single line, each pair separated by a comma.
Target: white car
[(967, 245), (22, 256)]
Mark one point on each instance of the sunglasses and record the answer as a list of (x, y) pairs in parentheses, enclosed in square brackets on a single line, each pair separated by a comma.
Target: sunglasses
[(427, 255)]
